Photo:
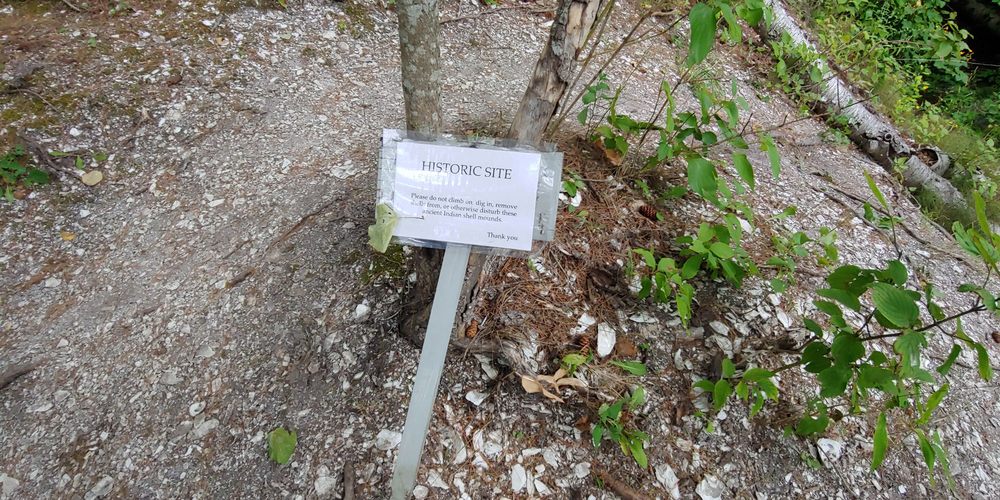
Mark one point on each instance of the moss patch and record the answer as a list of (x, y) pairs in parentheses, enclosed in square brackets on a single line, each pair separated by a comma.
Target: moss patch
[(390, 265)]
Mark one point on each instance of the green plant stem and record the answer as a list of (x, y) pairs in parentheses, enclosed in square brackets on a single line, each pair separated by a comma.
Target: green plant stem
[(974, 309), (787, 367)]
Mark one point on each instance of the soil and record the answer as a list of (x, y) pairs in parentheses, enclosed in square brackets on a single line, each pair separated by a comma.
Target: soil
[(217, 283)]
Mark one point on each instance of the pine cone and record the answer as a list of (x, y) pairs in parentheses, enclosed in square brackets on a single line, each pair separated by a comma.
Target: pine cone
[(648, 212)]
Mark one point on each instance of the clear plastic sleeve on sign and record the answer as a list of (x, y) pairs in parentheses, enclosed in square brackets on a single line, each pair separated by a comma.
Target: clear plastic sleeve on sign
[(498, 196)]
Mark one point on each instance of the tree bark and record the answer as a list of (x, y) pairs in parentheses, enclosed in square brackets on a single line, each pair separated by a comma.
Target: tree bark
[(870, 131), (420, 61), (554, 70)]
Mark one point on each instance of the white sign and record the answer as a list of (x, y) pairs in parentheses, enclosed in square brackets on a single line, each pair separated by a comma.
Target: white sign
[(466, 195)]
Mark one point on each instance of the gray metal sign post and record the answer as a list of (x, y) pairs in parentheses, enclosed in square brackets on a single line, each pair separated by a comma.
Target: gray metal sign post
[(425, 384), (414, 180)]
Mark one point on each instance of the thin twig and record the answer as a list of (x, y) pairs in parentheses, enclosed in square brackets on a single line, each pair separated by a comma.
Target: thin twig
[(35, 95), (71, 6)]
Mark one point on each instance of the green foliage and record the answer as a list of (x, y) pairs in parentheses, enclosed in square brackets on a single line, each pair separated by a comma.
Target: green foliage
[(913, 58), (615, 422), (15, 171), (281, 445)]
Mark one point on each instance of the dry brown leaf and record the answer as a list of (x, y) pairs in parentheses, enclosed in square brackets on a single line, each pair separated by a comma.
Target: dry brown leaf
[(612, 155), (92, 178), (549, 385)]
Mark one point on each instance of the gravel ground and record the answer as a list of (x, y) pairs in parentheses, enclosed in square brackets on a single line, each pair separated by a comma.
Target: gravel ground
[(217, 283)]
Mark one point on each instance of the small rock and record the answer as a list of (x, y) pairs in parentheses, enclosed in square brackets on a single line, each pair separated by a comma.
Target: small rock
[(829, 450), (420, 492), (204, 428), (329, 35), (362, 311), (719, 327), (643, 318), (349, 225), (476, 397), (606, 339), (784, 319), (666, 476), (101, 489), (40, 407), (8, 486), (205, 351), (196, 408), (325, 485), (434, 479), (52, 282), (75, 132), (62, 343), (773, 299), (581, 470), (387, 440), (518, 478), (542, 489), (710, 488), (170, 377)]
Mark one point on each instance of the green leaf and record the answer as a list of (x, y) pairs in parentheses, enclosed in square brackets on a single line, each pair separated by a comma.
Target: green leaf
[(380, 233), (897, 272), (582, 116), (757, 405), (281, 445), (574, 360), (634, 367), (767, 145), (702, 177), (744, 169), (100, 156), (722, 250), (639, 454), (843, 296), (895, 305), (638, 398), (932, 403), (952, 356), (702, 20), (873, 376), (728, 368), (808, 425), (596, 435), (942, 458), (842, 277), (833, 381), (755, 374), (875, 190), (691, 266), (833, 310), (927, 451), (984, 225), (721, 394), (909, 346), (36, 176), (847, 348), (881, 442), (647, 257), (705, 385), (812, 326)]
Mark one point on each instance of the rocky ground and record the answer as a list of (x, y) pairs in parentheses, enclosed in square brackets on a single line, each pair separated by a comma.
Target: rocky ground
[(217, 284)]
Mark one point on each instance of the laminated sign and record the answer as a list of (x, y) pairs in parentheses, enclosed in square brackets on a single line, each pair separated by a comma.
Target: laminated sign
[(483, 197)]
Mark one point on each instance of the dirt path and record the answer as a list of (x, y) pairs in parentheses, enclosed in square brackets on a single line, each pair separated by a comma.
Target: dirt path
[(217, 283)]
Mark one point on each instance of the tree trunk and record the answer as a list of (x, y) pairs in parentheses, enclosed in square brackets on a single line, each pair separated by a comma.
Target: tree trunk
[(871, 132), (420, 57), (551, 78)]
